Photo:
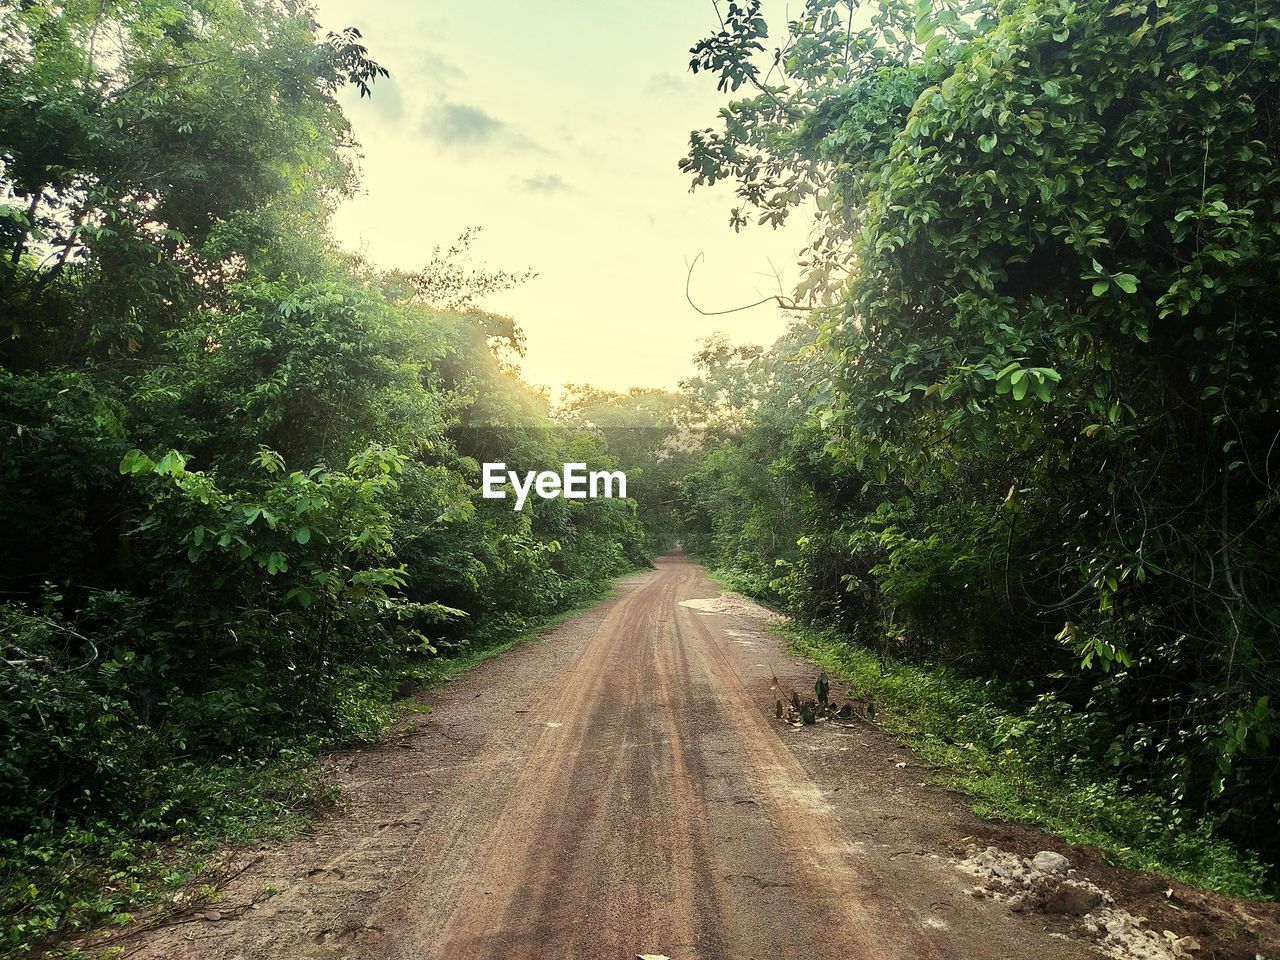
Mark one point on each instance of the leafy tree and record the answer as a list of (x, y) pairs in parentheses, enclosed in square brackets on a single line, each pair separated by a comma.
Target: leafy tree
[(641, 431), (1046, 272), (239, 471), (138, 141)]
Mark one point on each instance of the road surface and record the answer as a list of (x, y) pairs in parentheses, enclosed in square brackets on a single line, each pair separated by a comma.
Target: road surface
[(617, 787)]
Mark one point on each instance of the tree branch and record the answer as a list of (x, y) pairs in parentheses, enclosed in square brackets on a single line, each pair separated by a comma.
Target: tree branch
[(781, 301)]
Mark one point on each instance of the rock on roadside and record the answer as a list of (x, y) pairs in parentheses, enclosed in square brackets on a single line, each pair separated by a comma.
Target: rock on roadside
[(1046, 882)]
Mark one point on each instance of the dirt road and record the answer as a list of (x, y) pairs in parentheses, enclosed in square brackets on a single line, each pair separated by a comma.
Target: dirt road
[(617, 787)]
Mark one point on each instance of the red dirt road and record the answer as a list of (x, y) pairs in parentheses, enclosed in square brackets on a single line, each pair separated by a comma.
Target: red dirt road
[(617, 787)]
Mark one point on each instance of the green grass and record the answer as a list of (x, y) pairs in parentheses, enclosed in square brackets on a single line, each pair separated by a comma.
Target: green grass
[(1021, 768), (67, 881), (1025, 766), (447, 668)]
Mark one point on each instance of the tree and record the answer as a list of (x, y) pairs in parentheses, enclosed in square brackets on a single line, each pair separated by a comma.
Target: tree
[(239, 470), (1048, 264)]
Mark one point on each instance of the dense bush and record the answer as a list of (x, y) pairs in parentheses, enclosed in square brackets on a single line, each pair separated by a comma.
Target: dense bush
[(239, 471), (1043, 441)]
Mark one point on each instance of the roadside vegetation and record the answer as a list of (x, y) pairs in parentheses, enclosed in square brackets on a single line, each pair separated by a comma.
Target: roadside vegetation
[(1030, 764), (1014, 467), (238, 468)]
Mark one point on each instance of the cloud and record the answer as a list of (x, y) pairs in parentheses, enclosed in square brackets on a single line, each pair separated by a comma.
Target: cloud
[(665, 84), (546, 183), (386, 102), (467, 129), (461, 124), (439, 70)]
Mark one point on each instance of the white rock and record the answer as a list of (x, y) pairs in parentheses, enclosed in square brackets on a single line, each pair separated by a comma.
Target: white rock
[(1050, 862)]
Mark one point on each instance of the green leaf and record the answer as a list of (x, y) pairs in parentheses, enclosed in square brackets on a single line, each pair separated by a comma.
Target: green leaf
[(136, 462), (171, 463)]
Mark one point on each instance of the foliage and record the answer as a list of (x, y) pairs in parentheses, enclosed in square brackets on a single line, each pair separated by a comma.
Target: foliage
[(239, 471), (1032, 764), (1041, 444), (640, 428)]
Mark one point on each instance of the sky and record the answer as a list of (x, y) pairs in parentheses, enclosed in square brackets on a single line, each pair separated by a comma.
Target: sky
[(556, 126)]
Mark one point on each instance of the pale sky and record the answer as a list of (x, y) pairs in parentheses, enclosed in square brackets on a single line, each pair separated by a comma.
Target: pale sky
[(556, 127)]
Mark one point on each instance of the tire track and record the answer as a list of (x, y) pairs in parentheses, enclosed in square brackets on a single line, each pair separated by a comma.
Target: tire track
[(619, 789)]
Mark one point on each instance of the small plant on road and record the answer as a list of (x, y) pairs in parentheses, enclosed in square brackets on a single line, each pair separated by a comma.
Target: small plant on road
[(820, 708)]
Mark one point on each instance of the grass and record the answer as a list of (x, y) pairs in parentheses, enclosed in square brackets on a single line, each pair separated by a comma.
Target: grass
[(69, 881), (1012, 771), (1023, 766), (447, 668)]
